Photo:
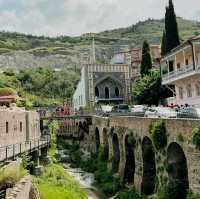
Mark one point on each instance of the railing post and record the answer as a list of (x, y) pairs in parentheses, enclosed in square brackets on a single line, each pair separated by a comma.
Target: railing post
[(6, 153), (20, 148), (38, 144), (13, 152)]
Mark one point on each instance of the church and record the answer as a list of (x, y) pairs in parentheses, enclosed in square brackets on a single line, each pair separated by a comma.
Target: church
[(103, 84)]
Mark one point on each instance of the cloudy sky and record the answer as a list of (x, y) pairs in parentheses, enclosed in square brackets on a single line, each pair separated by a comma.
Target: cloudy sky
[(74, 17)]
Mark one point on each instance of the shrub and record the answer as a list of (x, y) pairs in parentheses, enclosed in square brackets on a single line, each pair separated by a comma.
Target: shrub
[(192, 195), (172, 190), (97, 164), (132, 140), (7, 91), (25, 103), (11, 174), (128, 195), (180, 137), (159, 135), (196, 137)]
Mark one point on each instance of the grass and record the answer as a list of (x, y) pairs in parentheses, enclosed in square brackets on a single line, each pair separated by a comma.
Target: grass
[(11, 174), (57, 183)]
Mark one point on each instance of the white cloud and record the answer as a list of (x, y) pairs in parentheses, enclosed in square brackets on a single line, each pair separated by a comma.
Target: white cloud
[(74, 17)]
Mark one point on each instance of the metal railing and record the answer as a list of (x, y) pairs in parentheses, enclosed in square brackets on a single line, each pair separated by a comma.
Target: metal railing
[(174, 114), (13, 150)]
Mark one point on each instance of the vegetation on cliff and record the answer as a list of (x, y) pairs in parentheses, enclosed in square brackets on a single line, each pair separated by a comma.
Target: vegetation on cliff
[(41, 86)]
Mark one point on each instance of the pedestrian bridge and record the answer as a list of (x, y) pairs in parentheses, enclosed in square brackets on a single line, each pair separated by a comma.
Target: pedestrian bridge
[(10, 152)]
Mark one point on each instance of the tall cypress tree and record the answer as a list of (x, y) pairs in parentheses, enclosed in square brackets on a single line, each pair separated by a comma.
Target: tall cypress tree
[(146, 63), (171, 28), (163, 45)]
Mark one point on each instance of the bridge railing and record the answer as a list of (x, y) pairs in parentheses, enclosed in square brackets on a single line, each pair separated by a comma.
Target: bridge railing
[(11, 151)]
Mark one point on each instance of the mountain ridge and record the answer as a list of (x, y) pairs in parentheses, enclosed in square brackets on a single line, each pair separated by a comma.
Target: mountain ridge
[(70, 48)]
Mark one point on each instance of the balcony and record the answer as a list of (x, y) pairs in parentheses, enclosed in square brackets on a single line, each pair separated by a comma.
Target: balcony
[(181, 73)]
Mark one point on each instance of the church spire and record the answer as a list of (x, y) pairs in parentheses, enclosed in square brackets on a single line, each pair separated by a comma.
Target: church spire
[(93, 50)]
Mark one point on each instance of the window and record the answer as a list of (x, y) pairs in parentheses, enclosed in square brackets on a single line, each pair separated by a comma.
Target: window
[(178, 66), (171, 66), (6, 127), (198, 89), (107, 93), (180, 92), (96, 92), (186, 62), (189, 90), (20, 127), (117, 92)]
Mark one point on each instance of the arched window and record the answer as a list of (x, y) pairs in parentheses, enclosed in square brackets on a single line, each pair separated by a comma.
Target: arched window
[(107, 93), (117, 92), (96, 92)]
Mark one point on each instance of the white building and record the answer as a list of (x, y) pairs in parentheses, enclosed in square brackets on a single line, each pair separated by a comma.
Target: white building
[(181, 68)]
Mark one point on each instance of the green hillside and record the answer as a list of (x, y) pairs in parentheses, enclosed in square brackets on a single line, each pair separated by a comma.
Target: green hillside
[(134, 35)]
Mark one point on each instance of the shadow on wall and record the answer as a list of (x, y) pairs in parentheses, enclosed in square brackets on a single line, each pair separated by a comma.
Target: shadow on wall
[(116, 153), (149, 167), (105, 143), (129, 170), (97, 139), (177, 171)]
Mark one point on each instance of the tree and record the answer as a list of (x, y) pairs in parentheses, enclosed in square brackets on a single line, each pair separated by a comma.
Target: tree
[(171, 28), (146, 63), (148, 89), (163, 45)]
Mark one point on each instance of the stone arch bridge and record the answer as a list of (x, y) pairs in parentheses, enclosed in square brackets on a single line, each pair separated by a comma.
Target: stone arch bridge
[(132, 155)]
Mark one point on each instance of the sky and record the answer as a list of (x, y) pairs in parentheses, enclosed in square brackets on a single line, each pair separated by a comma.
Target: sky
[(75, 17)]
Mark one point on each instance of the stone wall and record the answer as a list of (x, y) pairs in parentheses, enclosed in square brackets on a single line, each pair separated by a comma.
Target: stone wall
[(23, 190)]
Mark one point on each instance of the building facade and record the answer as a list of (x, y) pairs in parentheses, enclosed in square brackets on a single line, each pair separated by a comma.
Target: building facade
[(181, 68), (18, 125), (105, 84), (134, 58)]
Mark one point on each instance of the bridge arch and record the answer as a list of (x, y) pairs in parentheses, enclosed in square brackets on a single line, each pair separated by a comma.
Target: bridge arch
[(105, 143), (97, 139), (129, 170), (149, 167), (116, 153), (177, 170)]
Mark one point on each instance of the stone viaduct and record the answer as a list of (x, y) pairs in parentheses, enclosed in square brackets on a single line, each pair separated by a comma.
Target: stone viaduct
[(138, 162)]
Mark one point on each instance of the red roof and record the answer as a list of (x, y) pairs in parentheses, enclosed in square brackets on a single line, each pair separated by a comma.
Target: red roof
[(8, 98)]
